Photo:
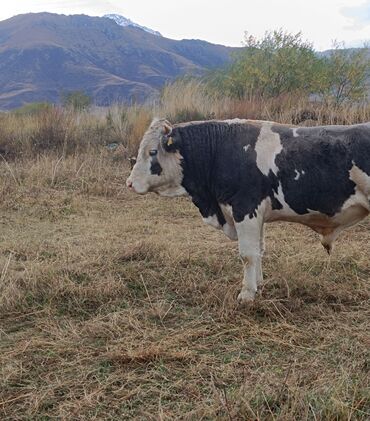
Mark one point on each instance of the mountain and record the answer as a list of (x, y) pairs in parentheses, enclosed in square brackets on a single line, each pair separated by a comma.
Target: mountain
[(44, 54), (122, 21)]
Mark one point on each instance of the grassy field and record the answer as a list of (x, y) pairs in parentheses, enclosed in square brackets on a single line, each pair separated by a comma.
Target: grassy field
[(115, 306)]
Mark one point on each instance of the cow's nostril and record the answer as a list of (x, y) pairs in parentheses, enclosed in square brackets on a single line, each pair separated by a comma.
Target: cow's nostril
[(129, 184)]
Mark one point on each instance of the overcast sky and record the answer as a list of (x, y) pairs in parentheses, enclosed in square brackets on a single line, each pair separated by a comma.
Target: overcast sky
[(224, 21)]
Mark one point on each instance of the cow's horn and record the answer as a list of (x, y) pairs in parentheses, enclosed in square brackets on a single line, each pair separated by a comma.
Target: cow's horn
[(167, 129)]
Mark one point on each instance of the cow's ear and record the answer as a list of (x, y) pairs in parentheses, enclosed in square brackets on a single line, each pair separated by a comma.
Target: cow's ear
[(168, 139)]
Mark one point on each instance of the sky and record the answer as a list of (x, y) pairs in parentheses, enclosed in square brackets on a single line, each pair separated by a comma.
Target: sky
[(321, 22)]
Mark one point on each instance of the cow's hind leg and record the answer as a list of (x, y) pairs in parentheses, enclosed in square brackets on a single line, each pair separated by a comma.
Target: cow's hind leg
[(249, 238)]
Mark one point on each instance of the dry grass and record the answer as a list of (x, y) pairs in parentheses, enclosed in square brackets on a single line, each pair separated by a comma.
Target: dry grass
[(65, 132), (193, 100), (115, 306)]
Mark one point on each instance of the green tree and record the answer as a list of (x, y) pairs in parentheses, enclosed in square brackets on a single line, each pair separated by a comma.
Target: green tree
[(278, 63), (345, 75), (77, 100)]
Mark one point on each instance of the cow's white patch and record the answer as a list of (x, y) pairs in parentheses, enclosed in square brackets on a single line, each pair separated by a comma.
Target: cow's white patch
[(246, 120), (168, 182), (281, 198), (212, 221), (140, 177), (250, 233), (235, 121), (295, 132), (172, 192), (230, 231), (280, 214), (229, 228), (246, 148), (298, 174), (268, 146), (361, 179), (356, 199), (227, 211)]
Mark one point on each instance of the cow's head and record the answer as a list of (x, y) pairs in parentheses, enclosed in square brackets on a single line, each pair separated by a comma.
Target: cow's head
[(158, 164)]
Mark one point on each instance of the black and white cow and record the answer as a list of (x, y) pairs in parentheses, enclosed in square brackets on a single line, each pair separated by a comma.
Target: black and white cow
[(243, 173)]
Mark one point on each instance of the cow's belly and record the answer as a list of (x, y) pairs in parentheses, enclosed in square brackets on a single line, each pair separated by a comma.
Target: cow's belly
[(353, 210)]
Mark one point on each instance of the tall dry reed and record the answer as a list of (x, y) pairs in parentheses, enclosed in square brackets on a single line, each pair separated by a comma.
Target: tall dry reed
[(66, 132)]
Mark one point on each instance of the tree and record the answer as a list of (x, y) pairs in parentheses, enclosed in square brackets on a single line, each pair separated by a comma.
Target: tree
[(77, 100), (345, 75), (278, 63)]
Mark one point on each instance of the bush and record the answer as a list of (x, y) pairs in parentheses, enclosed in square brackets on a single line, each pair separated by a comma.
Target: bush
[(33, 108), (345, 75), (279, 63), (52, 131), (77, 100)]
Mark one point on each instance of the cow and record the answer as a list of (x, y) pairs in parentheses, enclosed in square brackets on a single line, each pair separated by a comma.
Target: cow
[(241, 174)]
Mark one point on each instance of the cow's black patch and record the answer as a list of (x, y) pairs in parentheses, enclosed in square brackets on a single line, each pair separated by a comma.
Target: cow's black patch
[(155, 166)]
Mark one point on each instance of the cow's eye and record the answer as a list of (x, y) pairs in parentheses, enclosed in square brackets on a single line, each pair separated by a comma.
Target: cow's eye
[(153, 152)]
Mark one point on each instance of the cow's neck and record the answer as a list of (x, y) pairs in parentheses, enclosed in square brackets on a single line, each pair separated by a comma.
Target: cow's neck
[(199, 145), (198, 148)]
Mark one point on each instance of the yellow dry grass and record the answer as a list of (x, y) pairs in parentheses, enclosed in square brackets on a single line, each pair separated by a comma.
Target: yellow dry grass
[(115, 306)]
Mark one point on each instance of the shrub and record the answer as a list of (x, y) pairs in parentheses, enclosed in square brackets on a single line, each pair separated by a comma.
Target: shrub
[(277, 64), (281, 63), (33, 108), (345, 75), (77, 100)]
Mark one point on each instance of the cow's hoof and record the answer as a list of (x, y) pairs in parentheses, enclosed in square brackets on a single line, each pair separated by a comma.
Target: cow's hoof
[(246, 297)]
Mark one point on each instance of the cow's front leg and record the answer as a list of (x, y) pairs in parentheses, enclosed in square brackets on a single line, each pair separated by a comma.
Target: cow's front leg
[(249, 238), (262, 252)]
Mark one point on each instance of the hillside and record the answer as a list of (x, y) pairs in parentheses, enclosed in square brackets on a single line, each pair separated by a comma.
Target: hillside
[(44, 54)]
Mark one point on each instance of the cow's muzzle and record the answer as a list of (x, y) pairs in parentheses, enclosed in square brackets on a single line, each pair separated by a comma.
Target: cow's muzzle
[(129, 184)]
